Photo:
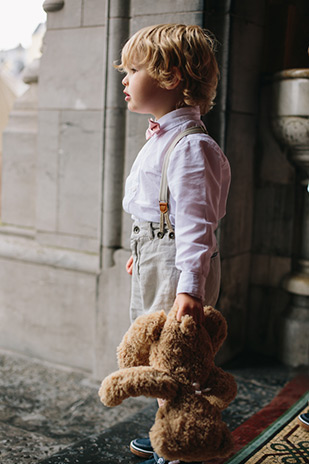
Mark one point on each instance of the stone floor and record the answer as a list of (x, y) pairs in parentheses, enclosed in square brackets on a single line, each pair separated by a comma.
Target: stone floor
[(51, 415), (44, 409)]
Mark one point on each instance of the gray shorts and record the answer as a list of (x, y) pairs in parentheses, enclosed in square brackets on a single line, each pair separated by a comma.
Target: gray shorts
[(155, 277)]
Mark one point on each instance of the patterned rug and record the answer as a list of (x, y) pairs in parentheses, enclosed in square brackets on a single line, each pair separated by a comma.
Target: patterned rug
[(283, 442)]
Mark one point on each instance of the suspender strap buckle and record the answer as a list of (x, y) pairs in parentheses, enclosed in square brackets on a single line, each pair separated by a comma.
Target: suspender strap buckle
[(164, 218), (163, 206)]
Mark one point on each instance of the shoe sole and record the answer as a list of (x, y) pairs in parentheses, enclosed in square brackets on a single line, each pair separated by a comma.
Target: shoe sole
[(139, 452), (305, 426)]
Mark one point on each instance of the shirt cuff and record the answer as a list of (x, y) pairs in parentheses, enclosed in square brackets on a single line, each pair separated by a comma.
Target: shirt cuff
[(192, 283)]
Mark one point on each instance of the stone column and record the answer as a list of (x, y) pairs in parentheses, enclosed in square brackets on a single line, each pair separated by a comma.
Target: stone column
[(112, 316), (290, 120), (115, 128)]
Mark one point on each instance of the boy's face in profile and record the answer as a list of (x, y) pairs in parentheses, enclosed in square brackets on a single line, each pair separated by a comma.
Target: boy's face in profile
[(144, 95)]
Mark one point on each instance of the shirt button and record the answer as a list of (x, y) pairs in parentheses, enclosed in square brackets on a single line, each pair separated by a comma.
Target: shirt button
[(161, 461)]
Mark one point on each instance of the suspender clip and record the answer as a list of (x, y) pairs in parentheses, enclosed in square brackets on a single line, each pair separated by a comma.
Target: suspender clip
[(163, 207)]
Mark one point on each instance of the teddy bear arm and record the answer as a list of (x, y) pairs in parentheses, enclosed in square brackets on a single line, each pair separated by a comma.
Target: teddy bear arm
[(135, 345), (136, 381), (223, 388)]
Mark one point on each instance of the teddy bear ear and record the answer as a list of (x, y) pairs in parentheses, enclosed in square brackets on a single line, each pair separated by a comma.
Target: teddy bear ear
[(216, 327)]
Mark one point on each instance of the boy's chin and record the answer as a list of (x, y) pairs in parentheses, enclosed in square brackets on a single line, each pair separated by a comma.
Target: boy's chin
[(134, 109)]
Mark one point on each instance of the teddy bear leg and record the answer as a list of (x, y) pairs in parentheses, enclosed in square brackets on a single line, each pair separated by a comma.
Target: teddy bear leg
[(179, 434), (222, 388)]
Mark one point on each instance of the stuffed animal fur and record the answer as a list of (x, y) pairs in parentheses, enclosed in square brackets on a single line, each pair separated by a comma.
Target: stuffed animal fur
[(162, 358)]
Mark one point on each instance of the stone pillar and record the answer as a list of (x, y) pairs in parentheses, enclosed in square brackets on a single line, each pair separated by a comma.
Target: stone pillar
[(290, 120), (112, 316), (115, 123)]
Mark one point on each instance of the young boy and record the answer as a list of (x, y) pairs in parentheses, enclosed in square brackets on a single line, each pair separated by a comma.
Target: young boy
[(172, 74)]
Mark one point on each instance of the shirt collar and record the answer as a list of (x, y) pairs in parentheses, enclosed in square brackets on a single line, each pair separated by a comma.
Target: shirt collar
[(179, 116)]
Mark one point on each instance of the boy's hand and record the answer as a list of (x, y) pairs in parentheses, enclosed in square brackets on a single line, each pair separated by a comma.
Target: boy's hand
[(129, 265), (188, 304)]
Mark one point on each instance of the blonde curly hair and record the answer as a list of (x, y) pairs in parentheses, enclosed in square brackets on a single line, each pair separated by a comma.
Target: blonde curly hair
[(190, 49)]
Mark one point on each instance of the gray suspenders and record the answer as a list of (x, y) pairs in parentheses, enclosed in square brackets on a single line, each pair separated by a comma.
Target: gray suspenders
[(163, 197)]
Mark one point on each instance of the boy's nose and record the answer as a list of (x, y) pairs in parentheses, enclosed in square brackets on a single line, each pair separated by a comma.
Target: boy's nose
[(125, 80)]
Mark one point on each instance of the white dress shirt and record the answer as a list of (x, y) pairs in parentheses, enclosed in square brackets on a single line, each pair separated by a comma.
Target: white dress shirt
[(198, 178)]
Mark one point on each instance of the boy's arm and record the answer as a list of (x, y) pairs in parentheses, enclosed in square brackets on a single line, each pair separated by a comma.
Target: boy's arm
[(198, 178), (129, 265)]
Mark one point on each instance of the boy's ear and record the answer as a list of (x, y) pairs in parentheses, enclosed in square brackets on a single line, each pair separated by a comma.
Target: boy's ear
[(176, 79)]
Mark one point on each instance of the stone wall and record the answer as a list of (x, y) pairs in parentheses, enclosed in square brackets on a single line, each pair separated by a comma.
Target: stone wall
[(69, 145), (64, 292)]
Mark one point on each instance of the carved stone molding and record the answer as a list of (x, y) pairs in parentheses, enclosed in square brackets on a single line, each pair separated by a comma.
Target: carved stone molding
[(53, 5), (290, 123)]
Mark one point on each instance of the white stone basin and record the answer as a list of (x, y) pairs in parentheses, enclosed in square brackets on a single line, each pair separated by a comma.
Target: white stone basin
[(290, 108)]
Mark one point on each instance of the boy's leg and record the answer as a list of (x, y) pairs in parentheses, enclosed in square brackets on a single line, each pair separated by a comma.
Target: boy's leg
[(154, 284), (154, 276)]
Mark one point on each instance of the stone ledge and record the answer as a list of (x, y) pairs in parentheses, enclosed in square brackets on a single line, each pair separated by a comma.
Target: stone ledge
[(20, 248)]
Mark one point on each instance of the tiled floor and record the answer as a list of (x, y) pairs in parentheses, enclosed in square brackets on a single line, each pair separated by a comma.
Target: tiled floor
[(55, 416)]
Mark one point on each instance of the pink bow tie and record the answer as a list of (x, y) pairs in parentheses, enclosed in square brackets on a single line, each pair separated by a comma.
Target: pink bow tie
[(154, 128)]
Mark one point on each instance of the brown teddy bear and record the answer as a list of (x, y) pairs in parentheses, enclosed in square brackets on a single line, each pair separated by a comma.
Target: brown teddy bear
[(162, 358)]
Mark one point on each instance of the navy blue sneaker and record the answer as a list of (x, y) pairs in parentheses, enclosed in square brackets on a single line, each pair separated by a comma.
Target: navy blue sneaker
[(303, 420), (142, 447), (157, 460)]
